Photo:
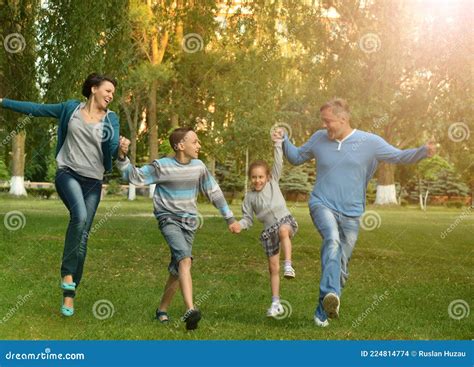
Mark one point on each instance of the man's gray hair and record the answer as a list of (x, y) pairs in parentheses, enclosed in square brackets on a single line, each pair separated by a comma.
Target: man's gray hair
[(338, 106)]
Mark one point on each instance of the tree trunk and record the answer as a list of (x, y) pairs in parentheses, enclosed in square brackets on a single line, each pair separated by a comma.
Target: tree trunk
[(17, 184), (133, 153), (386, 193), (246, 170)]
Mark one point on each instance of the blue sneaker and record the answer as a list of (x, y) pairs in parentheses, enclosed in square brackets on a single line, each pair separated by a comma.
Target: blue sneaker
[(68, 286)]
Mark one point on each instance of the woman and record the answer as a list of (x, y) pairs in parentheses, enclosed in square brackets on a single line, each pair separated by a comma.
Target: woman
[(88, 138)]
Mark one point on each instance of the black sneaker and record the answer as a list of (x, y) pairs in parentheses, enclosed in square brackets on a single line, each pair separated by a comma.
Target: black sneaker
[(191, 318)]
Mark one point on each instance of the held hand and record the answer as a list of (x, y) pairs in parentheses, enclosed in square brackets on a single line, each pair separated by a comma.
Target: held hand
[(278, 134), (235, 227), (431, 147), (124, 143)]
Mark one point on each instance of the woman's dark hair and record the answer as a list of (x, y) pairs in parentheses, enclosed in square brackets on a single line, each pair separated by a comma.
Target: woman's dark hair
[(259, 163), (95, 80)]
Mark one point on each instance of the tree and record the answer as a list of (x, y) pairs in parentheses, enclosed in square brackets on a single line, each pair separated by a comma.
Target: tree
[(18, 76)]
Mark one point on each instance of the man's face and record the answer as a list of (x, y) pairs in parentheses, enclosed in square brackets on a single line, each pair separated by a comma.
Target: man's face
[(191, 145), (334, 124)]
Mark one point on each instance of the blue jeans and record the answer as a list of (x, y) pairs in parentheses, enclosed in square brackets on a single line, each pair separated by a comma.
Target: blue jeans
[(339, 234), (81, 195)]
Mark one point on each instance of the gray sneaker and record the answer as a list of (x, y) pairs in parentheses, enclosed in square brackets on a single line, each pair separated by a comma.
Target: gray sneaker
[(276, 309), (289, 272), (331, 305)]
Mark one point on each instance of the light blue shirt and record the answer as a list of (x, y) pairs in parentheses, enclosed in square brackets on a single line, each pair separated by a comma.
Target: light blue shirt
[(344, 168)]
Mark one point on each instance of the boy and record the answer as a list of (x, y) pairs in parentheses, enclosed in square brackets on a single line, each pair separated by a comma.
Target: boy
[(179, 179)]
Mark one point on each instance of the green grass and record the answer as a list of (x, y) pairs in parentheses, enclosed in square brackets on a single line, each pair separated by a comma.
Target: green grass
[(127, 260)]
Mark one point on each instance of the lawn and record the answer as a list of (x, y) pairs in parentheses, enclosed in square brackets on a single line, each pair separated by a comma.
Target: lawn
[(404, 275)]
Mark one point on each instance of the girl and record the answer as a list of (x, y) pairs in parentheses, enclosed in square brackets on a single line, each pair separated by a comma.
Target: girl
[(88, 137), (268, 204)]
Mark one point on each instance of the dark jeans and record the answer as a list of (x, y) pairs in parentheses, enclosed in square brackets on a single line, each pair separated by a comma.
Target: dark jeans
[(81, 195)]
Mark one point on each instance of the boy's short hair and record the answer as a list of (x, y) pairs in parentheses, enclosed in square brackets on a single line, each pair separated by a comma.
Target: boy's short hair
[(178, 135)]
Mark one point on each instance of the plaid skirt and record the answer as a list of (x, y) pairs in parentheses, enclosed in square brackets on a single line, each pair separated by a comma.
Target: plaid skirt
[(270, 238)]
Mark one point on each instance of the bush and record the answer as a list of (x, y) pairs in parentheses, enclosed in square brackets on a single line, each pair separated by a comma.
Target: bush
[(455, 204), (4, 175), (113, 187), (44, 193)]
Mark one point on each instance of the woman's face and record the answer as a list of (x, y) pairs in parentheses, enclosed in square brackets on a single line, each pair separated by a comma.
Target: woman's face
[(103, 94)]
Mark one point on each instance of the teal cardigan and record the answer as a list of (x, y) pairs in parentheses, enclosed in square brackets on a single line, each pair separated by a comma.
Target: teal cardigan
[(63, 112)]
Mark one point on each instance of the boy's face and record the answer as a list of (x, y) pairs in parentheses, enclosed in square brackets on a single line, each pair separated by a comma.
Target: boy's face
[(259, 178), (190, 145)]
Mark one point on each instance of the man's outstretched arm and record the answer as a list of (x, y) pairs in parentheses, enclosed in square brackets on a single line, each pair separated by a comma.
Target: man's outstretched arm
[(388, 153), (295, 155)]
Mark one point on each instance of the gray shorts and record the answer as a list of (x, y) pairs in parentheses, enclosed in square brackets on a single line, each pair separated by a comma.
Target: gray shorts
[(270, 237), (180, 241)]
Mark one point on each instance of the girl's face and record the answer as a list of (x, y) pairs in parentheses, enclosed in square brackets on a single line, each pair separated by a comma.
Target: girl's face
[(103, 94), (259, 178)]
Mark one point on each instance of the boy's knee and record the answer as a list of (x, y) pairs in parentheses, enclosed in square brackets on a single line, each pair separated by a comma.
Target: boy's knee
[(185, 262)]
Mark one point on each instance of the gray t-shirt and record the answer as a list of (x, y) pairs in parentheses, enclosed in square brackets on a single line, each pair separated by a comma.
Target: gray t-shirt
[(82, 149), (268, 205)]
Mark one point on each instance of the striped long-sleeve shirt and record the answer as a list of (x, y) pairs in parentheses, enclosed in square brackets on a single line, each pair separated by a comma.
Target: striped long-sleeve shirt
[(177, 186)]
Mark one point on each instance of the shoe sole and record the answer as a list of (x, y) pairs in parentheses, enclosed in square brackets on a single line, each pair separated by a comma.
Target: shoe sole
[(193, 320), (330, 305), (320, 323), (275, 316), (289, 276), (67, 312)]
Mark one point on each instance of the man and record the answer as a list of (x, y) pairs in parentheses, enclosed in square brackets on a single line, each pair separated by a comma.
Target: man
[(346, 159)]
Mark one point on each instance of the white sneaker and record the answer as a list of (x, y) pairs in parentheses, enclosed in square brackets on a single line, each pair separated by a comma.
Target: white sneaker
[(331, 305), (276, 309), (320, 323), (289, 272)]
